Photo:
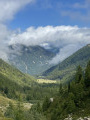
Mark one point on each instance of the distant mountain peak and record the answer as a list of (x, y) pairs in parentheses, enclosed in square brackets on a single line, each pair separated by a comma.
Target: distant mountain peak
[(31, 59)]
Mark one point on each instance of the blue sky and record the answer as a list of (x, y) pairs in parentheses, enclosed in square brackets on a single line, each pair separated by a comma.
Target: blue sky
[(52, 12), (59, 23)]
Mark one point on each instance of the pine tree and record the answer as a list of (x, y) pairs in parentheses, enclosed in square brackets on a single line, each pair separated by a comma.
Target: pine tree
[(71, 106), (69, 87), (60, 89), (46, 104), (19, 110), (79, 75), (38, 107), (87, 75)]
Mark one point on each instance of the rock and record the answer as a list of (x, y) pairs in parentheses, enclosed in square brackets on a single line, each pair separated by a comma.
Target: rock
[(86, 118), (51, 99)]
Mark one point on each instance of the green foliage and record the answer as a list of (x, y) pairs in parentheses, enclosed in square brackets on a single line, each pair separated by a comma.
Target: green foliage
[(69, 87), (87, 75), (13, 82), (60, 88), (74, 99), (9, 87), (71, 106), (10, 111), (38, 107), (18, 113), (46, 104), (78, 76), (71, 99), (14, 74), (15, 112)]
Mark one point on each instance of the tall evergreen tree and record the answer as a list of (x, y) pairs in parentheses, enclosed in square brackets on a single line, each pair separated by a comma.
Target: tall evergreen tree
[(69, 87), (60, 89), (79, 75), (87, 75), (46, 104)]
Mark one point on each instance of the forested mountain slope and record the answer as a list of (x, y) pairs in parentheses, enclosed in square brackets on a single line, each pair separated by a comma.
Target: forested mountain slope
[(67, 68), (14, 74), (20, 87), (13, 82), (73, 100)]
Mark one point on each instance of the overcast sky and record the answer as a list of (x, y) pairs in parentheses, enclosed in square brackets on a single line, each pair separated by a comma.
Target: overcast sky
[(58, 23)]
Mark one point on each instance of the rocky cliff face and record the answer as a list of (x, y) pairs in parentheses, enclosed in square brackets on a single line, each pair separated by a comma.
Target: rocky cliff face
[(32, 59)]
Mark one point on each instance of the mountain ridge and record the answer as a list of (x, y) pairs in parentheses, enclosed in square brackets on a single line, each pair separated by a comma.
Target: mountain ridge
[(81, 57), (14, 74), (32, 59)]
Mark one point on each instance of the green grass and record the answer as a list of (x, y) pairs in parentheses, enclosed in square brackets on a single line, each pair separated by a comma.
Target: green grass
[(47, 81), (14, 74), (3, 118), (4, 102)]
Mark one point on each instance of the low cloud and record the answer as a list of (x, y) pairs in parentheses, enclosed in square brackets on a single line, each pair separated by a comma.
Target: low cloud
[(4, 39), (67, 38), (57, 36), (8, 9), (65, 52)]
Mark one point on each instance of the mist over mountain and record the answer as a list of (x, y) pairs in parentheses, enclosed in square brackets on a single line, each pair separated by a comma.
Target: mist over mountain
[(32, 59), (65, 39)]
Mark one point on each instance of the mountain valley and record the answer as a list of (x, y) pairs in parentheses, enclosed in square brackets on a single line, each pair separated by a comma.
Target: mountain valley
[(49, 93), (65, 70)]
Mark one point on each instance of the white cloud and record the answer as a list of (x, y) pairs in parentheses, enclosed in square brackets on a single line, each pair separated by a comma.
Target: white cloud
[(8, 8), (4, 39), (68, 38), (57, 36), (65, 52), (37, 36)]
